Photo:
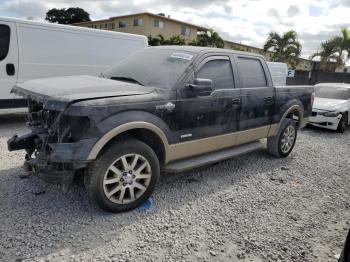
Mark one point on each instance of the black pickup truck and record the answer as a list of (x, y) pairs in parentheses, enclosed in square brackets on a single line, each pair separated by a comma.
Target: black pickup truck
[(162, 109)]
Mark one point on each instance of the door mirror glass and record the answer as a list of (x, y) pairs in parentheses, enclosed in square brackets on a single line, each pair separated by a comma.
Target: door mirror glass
[(199, 87)]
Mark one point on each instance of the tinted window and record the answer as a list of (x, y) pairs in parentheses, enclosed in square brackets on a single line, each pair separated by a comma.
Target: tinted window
[(251, 72), (4, 41), (219, 71)]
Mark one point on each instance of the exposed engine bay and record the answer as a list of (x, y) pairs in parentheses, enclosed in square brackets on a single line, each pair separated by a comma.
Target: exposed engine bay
[(48, 128)]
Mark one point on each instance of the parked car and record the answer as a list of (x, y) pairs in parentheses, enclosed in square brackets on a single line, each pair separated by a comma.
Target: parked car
[(332, 106), (279, 73), (162, 108), (345, 254), (30, 50)]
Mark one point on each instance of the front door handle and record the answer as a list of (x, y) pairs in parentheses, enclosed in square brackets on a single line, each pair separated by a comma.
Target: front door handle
[(10, 69), (269, 100), (236, 103)]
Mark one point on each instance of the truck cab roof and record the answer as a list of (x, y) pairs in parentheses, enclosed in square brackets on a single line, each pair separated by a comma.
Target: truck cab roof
[(201, 50)]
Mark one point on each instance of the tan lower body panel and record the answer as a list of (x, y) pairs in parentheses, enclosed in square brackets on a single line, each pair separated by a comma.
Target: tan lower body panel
[(199, 146), (205, 145)]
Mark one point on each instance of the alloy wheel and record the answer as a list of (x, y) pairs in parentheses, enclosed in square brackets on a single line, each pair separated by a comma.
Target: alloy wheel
[(127, 178), (288, 139)]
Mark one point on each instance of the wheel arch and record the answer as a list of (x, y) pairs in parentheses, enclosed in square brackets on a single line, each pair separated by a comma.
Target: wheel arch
[(348, 116), (295, 112), (144, 131)]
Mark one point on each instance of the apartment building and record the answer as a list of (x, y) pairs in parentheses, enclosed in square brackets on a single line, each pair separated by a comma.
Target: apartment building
[(147, 24)]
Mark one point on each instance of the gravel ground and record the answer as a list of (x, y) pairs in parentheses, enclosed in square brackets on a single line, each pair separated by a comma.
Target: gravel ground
[(251, 208)]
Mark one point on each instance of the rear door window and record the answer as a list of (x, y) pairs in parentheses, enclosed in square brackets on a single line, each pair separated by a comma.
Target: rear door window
[(219, 71), (251, 72), (4, 41)]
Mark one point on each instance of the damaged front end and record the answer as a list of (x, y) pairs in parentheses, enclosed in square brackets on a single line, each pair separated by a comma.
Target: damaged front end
[(57, 145)]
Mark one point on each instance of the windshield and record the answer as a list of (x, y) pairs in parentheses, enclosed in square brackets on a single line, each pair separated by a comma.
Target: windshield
[(332, 92), (152, 67)]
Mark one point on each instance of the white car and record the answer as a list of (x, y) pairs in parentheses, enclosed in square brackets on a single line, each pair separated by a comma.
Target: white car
[(331, 106)]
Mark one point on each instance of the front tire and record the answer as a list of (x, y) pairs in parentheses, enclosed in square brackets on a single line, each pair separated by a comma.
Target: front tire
[(342, 124), (283, 143), (123, 176)]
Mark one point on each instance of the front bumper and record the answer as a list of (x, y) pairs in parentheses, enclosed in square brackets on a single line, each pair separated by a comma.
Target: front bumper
[(325, 121), (54, 162)]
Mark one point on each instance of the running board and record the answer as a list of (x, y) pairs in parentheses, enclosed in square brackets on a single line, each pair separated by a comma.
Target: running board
[(210, 158)]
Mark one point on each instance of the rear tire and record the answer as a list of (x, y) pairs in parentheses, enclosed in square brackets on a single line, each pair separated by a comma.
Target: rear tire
[(283, 143), (123, 176)]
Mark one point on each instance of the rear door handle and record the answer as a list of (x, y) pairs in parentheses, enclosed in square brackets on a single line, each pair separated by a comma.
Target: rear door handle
[(236, 101), (10, 69)]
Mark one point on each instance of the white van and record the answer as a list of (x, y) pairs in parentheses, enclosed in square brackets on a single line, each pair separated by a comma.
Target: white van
[(279, 73), (30, 50)]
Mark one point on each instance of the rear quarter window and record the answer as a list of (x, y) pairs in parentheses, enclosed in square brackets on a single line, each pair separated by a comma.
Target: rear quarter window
[(4, 41), (251, 72)]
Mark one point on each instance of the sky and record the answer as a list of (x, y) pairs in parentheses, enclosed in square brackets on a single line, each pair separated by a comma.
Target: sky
[(244, 21)]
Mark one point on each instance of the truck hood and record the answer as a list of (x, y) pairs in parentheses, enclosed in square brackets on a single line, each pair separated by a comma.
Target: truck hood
[(327, 104), (69, 89)]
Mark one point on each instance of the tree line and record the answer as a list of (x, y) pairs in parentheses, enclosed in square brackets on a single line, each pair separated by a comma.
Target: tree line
[(284, 47), (209, 38)]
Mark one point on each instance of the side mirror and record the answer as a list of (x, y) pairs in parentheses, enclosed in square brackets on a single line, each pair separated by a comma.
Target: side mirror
[(200, 87)]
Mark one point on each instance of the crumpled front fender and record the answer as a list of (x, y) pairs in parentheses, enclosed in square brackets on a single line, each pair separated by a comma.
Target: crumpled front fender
[(71, 152)]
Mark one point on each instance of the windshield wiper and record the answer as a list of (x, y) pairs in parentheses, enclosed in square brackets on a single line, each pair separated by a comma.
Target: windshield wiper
[(127, 79)]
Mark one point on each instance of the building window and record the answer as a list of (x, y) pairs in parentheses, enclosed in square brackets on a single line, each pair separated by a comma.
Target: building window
[(158, 23), (111, 26), (138, 22), (122, 24), (101, 26), (185, 31)]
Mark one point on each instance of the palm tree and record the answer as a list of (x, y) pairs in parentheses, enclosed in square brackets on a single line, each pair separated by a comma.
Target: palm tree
[(344, 46), (286, 47), (329, 51), (336, 49), (209, 38)]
